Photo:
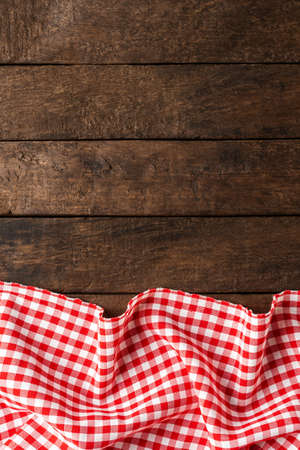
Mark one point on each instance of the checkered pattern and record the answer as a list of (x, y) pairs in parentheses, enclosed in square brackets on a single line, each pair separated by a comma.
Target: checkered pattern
[(176, 370)]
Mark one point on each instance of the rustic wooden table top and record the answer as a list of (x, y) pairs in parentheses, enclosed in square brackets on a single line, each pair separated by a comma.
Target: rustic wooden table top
[(150, 144)]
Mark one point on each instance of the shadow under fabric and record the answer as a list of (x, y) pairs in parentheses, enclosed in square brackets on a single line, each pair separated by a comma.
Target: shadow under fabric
[(175, 370)]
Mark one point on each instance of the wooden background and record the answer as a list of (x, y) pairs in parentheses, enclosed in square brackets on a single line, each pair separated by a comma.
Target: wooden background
[(150, 143)]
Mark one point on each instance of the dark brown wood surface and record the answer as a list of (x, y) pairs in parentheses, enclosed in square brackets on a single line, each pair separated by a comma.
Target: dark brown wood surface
[(156, 31), (150, 144), (191, 101), (173, 178), (117, 254)]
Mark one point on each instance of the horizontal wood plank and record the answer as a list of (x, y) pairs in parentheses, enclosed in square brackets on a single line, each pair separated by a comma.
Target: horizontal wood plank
[(116, 304), (115, 255), (139, 31), (144, 102), (150, 178)]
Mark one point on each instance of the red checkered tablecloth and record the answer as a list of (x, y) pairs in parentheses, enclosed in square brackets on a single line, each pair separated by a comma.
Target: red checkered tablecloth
[(176, 370)]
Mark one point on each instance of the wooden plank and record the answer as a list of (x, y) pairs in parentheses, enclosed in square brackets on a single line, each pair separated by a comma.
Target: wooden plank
[(163, 101), (116, 304), (139, 31), (117, 254), (150, 178)]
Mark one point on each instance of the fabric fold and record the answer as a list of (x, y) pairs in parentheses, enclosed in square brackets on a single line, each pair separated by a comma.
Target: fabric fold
[(175, 370)]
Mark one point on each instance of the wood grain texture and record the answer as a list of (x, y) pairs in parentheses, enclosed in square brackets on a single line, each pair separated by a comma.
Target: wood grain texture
[(139, 31), (116, 304), (115, 255), (172, 101), (150, 178)]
